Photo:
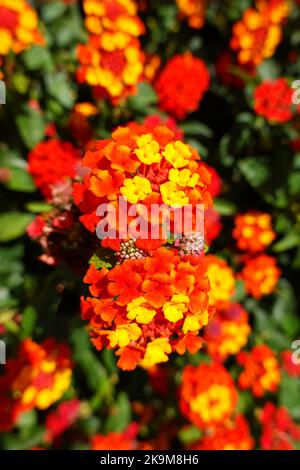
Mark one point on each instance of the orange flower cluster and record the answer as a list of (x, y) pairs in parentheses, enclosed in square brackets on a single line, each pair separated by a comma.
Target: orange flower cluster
[(148, 308), (52, 162), (227, 332), (232, 435), (18, 26), (112, 441), (257, 35), (260, 275), (38, 377), (155, 120), (261, 372), (112, 59), (182, 84), (253, 231), (221, 278), (126, 440), (273, 100), (194, 11), (279, 431), (207, 396), (61, 419), (289, 366), (151, 168)]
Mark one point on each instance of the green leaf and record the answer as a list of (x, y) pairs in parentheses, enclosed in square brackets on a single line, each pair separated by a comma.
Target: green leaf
[(99, 263), (245, 402), (28, 321), (254, 170), (38, 207), (27, 420), (225, 208), (144, 98), (60, 88), (31, 126), (68, 29), (196, 128), (289, 394), (269, 70), (285, 308), (18, 442), (37, 58), (294, 183), (20, 180), (120, 416), (13, 225), (189, 434), (94, 372), (291, 240), (52, 10)]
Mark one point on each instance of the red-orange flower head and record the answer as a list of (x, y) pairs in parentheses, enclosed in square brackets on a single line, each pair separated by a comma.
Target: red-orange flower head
[(273, 100), (277, 10), (18, 26), (253, 231), (207, 395), (232, 435), (126, 440), (290, 364), (261, 372), (222, 281), (227, 332), (38, 376), (257, 35), (182, 84), (52, 162), (155, 120), (61, 419), (260, 275), (119, 16), (145, 309), (144, 169), (279, 431), (194, 11), (112, 60)]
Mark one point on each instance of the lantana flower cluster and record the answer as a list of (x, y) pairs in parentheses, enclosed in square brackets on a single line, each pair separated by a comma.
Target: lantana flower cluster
[(260, 275), (112, 60), (143, 169), (181, 85), (51, 163), (208, 396), (158, 302), (228, 331), (234, 434), (273, 101), (18, 26), (38, 377), (259, 32), (194, 11), (145, 309), (279, 431), (261, 371), (253, 231)]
